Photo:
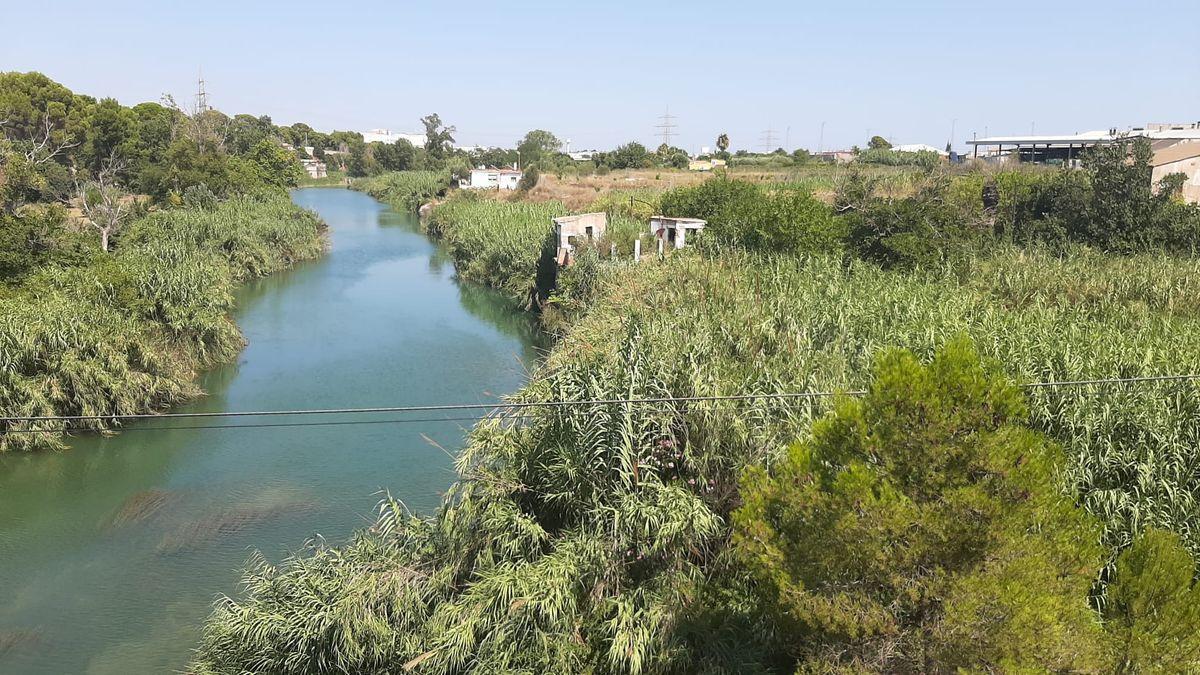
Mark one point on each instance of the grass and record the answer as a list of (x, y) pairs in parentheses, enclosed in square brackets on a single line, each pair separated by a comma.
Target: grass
[(405, 190), (580, 538), (495, 243), (127, 332)]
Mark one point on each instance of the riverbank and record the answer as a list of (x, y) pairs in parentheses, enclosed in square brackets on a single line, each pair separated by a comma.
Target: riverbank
[(597, 537), (114, 550), (127, 332)]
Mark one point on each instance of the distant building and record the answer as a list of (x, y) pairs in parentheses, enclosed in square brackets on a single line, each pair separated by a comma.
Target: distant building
[(571, 231), (315, 168), (583, 155), (673, 231), (1065, 148), (838, 156), (919, 147), (705, 164), (388, 136), (490, 178), (1184, 158)]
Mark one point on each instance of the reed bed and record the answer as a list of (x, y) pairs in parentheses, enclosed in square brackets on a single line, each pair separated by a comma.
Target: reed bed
[(579, 538), (405, 190), (496, 243), (127, 333)]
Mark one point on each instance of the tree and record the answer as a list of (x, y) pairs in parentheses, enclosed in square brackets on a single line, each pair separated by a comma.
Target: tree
[(632, 155), (105, 207), (529, 179), (537, 145), (723, 143), (879, 143), (438, 137), (1153, 607), (920, 530)]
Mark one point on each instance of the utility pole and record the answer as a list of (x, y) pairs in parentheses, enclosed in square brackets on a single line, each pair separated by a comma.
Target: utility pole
[(667, 127), (787, 139), (821, 139), (201, 94), (768, 140)]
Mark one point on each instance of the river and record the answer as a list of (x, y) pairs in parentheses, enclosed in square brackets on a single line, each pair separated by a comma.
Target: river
[(112, 553)]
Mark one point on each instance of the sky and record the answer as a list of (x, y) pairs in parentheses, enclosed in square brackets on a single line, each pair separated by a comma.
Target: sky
[(817, 75)]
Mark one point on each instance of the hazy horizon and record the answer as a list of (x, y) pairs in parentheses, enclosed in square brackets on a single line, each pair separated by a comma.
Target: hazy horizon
[(601, 76)]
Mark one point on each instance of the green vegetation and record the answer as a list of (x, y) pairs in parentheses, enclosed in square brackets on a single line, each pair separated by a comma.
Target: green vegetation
[(53, 138), (597, 538), (405, 190), (496, 243), (113, 310), (977, 561), (93, 334)]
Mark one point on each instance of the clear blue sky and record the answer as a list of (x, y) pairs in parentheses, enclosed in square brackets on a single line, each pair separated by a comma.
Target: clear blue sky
[(600, 73)]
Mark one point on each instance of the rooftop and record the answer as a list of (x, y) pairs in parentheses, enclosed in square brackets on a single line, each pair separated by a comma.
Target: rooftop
[(1153, 132)]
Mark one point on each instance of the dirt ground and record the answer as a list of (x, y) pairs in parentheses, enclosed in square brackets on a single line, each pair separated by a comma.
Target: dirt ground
[(577, 192)]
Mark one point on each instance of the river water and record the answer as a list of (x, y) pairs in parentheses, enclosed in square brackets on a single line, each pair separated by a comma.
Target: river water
[(112, 553)]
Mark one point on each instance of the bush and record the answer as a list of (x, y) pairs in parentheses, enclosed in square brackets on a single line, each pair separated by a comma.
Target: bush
[(920, 530), (199, 197), (529, 179), (405, 190), (745, 215)]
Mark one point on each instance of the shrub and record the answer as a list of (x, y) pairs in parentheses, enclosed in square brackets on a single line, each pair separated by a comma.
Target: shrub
[(920, 530), (745, 215), (405, 190)]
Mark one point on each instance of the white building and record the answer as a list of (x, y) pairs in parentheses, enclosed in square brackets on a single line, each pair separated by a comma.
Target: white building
[(388, 136), (919, 147), (489, 178), (673, 231), (315, 168), (1184, 158), (583, 229), (582, 155)]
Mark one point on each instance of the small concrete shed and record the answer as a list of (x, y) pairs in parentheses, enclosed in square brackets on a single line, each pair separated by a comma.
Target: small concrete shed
[(570, 231), (673, 231)]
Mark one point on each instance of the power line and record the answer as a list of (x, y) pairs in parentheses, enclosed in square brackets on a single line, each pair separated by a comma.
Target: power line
[(491, 408), (768, 140), (667, 127)]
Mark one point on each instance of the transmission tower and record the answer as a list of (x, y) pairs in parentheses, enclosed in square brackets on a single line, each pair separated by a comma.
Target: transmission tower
[(667, 127), (768, 140), (201, 95)]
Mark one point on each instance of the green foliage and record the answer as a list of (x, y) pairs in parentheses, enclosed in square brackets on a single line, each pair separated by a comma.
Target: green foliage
[(496, 243), (1111, 205), (1154, 607), (529, 179), (162, 149), (571, 543), (125, 333), (632, 155), (438, 137), (924, 230), (405, 190), (925, 159), (746, 215), (879, 143), (920, 530), (537, 147)]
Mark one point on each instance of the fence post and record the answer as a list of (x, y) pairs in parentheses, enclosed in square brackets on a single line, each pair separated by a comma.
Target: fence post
[(637, 250), (612, 251)]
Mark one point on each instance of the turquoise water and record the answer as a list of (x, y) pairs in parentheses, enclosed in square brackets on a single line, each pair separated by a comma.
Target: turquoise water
[(112, 553)]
